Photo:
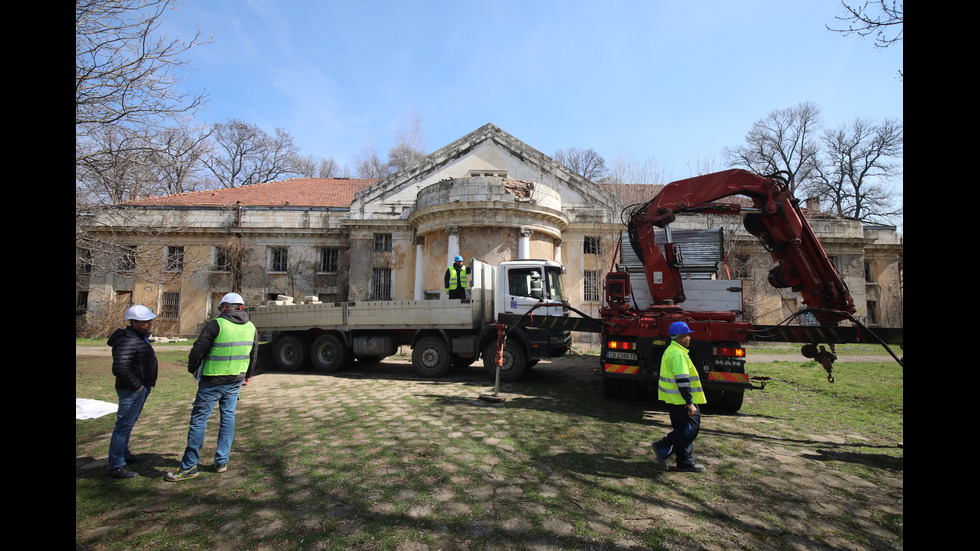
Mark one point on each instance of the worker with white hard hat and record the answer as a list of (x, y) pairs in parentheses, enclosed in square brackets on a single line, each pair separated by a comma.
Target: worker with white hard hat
[(222, 359), (134, 364)]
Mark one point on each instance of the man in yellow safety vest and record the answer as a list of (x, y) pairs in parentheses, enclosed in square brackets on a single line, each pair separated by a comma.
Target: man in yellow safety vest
[(221, 359), (456, 279), (680, 388)]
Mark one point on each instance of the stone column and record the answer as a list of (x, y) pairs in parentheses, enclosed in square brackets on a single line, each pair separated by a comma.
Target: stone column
[(453, 248), (524, 245), (558, 243), (419, 267)]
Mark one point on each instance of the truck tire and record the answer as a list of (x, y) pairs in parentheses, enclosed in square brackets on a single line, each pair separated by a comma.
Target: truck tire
[(328, 354), (289, 353), (431, 357), (731, 400), (514, 364)]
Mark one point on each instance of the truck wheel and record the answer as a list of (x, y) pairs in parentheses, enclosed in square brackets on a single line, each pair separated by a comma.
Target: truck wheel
[(328, 354), (289, 353), (431, 357), (514, 364), (731, 400)]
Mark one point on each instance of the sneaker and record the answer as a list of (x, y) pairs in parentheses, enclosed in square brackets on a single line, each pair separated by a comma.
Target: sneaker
[(661, 454), (121, 472), (181, 474), (220, 467), (691, 469)]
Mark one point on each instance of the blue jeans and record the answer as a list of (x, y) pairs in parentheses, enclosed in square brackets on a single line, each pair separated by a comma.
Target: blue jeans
[(209, 394), (130, 406)]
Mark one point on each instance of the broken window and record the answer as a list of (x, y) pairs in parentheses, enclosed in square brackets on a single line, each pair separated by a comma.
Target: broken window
[(382, 242), (329, 260), (591, 245), (278, 259), (175, 259)]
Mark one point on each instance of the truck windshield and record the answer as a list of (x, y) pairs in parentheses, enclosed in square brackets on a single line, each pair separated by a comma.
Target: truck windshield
[(554, 288)]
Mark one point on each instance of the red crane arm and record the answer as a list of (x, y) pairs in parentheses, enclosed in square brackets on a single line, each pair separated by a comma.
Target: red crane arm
[(775, 219)]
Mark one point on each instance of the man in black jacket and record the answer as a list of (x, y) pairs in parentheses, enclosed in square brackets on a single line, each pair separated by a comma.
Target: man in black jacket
[(222, 359), (134, 363)]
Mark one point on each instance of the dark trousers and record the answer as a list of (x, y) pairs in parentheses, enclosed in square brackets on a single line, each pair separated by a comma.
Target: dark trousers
[(685, 431)]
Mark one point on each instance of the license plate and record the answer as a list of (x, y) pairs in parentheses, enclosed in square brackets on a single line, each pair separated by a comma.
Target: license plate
[(613, 354)]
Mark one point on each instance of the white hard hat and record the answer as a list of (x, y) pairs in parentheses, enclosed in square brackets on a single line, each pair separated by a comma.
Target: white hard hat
[(139, 313), (231, 298)]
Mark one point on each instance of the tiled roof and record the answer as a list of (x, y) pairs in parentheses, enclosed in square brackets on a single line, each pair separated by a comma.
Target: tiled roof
[(298, 192)]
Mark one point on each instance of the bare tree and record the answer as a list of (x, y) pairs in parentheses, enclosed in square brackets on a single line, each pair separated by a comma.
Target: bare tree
[(409, 145), (858, 166), (884, 19), (125, 76), (244, 154), (176, 159), (368, 165), (584, 162), (785, 140), (311, 167)]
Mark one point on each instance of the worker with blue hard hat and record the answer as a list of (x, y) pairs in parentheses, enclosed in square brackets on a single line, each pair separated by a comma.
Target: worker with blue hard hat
[(680, 387), (456, 279)]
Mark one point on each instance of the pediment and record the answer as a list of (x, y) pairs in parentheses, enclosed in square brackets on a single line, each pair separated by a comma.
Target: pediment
[(487, 151)]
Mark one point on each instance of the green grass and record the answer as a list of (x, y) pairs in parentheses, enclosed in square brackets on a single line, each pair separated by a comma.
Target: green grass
[(376, 459)]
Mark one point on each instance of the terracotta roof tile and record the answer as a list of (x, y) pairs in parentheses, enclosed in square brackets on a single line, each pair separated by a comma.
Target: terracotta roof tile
[(297, 192)]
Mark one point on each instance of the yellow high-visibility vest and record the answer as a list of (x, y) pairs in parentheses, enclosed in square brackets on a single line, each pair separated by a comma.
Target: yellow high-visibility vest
[(457, 280), (230, 350), (676, 366)]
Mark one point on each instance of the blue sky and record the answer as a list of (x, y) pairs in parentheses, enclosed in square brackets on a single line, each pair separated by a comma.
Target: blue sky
[(667, 80)]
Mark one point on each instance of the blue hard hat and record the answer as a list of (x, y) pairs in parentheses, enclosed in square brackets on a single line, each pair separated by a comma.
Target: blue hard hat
[(458, 258), (679, 328)]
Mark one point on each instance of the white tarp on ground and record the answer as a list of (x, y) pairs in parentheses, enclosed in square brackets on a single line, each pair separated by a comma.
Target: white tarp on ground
[(90, 409)]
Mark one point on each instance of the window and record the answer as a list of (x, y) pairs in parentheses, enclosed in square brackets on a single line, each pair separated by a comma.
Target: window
[(382, 242), (127, 260), (591, 245), (222, 260), (738, 263), (278, 259), (170, 305), (872, 312), (869, 273), (381, 284), (590, 283), (175, 259), (329, 260)]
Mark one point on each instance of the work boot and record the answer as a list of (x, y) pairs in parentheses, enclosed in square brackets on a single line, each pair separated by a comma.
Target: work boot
[(121, 472), (662, 455), (181, 474)]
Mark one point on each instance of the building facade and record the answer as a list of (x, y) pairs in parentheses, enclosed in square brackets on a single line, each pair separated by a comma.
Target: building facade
[(487, 196)]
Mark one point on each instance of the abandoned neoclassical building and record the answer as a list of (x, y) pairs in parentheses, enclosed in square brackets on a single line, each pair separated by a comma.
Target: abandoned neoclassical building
[(486, 196)]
